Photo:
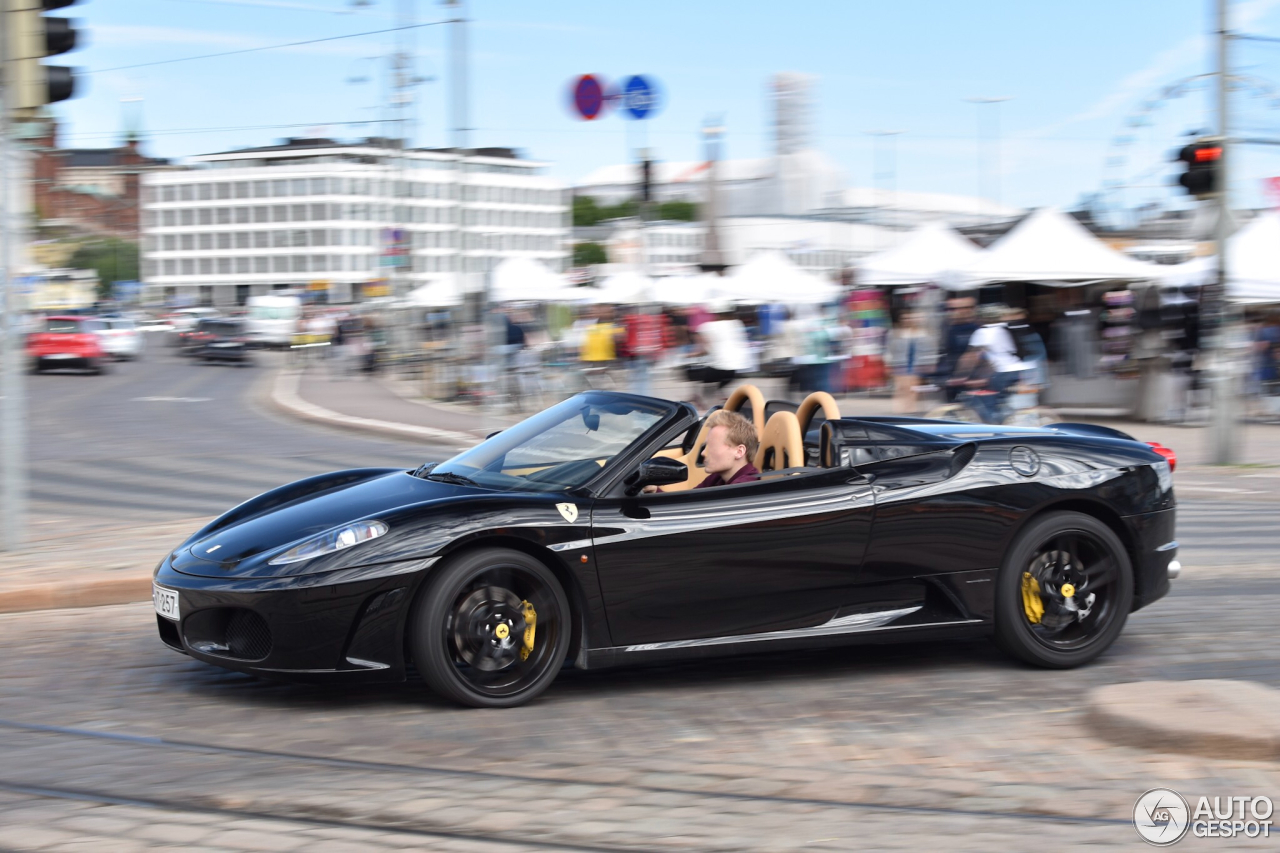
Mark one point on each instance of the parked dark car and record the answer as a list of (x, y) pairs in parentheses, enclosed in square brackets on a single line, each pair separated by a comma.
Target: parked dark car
[(221, 339), (489, 571)]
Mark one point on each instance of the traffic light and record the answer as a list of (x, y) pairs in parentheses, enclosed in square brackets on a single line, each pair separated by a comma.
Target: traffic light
[(1203, 159), (33, 36)]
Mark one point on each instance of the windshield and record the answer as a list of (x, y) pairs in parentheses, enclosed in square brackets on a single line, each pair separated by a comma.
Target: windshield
[(561, 448), (62, 326)]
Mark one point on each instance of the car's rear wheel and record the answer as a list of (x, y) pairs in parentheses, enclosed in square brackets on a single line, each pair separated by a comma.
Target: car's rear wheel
[(1064, 592), (491, 629)]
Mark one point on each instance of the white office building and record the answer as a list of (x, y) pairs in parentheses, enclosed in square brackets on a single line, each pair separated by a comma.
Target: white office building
[(331, 217)]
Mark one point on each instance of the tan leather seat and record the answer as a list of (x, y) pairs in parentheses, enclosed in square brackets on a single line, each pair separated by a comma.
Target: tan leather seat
[(740, 395), (810, 405), (781, 444)]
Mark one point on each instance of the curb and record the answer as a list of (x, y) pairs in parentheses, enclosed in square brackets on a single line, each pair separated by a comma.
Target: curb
[(1210, 717), (95, 593), (285, 397)]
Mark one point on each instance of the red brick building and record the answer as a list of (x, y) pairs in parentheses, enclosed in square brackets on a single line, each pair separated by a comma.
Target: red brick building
[(88, 189)]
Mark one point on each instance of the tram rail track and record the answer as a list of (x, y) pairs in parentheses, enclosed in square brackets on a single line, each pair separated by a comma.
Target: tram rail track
[(398, 824)]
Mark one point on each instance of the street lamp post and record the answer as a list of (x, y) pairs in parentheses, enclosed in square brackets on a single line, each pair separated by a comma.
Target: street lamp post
[(995, 123), (887, 172)]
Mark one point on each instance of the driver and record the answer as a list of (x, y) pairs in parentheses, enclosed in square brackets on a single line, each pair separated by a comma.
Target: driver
[(731, 443)]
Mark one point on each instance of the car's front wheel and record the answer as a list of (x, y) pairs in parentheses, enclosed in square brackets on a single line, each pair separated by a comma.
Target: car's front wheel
[(491, 629), (1064, 591)]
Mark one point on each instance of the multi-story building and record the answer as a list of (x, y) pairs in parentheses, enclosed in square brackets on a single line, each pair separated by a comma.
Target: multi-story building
[(335, 217)]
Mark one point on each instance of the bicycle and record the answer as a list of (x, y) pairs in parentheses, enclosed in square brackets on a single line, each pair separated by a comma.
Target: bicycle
[(1018, 407)]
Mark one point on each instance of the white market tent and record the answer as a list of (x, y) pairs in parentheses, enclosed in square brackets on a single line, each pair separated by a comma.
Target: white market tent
[(442, 292), (526, 280), (771, 278), (1049, 247), (623, 288), (689, 289), (926, 255), (1253, 268)]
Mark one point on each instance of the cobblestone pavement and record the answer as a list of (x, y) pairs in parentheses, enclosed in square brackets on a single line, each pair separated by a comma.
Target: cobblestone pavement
[(889, 747)]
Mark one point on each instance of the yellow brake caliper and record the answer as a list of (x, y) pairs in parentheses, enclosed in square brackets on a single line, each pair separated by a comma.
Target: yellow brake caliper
[(531, 624), (1031, 601)]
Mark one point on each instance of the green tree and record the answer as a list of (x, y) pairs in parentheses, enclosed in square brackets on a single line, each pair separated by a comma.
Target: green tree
[(587, 254), (678, 211), (585, 211), (625, 209), (112, 258)]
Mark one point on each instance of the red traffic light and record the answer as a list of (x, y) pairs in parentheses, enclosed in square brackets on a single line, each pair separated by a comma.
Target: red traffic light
[(1208, 154)]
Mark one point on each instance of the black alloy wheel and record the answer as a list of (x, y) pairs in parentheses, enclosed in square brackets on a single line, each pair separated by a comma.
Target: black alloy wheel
[(491, 629), (1064, 592)]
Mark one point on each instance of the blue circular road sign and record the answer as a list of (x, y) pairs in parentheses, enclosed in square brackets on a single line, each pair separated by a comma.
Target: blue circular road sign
[(639, 97)]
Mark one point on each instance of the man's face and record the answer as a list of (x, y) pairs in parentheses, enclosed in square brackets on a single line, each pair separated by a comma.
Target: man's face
[(718, 454), (961, 310)]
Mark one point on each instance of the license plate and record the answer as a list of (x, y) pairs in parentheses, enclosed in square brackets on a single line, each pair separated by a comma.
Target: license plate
[(166, 602), (61, 355)]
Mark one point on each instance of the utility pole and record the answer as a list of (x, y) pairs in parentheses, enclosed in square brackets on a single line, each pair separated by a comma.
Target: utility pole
[(982, 188), (1223, 424), (13, 439)]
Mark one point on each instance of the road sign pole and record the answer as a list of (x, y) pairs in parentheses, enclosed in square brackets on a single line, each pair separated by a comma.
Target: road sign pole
[(13, 486), (1224, 380)]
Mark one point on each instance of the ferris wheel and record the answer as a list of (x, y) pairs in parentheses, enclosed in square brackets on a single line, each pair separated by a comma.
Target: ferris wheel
[(1138, 169)]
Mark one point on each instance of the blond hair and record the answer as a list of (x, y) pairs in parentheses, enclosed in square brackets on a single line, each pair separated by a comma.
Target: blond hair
[(737, 430)]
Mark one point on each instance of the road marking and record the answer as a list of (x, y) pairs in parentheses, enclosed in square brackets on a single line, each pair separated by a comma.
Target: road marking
[(172, 398), (1186, 487)]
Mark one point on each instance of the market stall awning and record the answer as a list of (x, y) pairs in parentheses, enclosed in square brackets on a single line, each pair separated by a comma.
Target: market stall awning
[(527, 280), (442, 292), (1049, 247), (771, 278), (689, 289), (1253, 264), (926, 255), (624, 288)]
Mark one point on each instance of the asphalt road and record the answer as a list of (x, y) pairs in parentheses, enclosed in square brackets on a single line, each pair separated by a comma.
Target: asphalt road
[(166, 438), (109, 740)]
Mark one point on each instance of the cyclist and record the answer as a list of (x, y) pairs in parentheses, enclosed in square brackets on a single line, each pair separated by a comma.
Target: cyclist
[(992, 364)]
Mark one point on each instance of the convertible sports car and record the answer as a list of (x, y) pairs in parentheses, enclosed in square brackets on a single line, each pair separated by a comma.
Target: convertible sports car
[(489, 572)]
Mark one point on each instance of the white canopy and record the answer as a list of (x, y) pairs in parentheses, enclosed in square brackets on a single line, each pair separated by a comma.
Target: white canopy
[(1049, 247), (926, 255), (689, 289), (442, 292), (624, 288), (526, 280), (771, 277), (1253, 268)]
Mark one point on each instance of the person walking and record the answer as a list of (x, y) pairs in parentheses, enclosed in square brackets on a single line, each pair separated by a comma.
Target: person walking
[(956, 334), (910, 353)]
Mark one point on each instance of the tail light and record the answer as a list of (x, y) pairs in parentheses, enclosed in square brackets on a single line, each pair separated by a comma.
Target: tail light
[(1169, 455)]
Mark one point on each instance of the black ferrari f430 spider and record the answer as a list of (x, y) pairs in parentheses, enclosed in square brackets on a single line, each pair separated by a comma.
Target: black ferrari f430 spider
[(538, 548)]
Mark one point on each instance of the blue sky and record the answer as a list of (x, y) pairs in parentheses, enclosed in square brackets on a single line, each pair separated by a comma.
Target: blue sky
[(1077, 72)]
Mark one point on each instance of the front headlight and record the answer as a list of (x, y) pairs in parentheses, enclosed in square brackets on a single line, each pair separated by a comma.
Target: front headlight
[(338, 539)]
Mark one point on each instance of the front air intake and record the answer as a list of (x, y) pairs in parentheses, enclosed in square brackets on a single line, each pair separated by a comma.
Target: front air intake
[(229, 632)]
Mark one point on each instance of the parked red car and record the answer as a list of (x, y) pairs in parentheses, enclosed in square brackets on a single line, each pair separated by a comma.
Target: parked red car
[(67, 342)]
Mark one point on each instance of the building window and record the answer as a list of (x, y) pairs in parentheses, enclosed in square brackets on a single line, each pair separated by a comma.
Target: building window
[(242, 239), (242, 189), (317, 237), (299, 186), (242, 215), (169, 242), (206, 266), (169, 193), (280, 213), (280, 239), (261, 189), (298, 238), (224, 215), (280, 263), (224, 240), (335, 237), (262, 214), (188, 192), (299, 263), (169, 218), (188, 242), (299, 213), (206, 215), (261, 239), (261, 265), (206, 241), (224, 266), (318, 212), (206, 192), (188, 217), (224, 190), (319, 186), (317, 263), (188, 267), (242, 265), (279, 189), (170, 267)]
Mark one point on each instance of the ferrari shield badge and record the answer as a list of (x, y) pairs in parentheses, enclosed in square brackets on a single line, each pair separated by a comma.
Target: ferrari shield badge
[(569, 511)]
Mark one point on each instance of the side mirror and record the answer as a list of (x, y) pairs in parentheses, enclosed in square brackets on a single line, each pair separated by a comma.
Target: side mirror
[(658, 471)]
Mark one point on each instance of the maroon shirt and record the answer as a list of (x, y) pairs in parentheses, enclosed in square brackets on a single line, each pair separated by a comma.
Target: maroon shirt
[(745, 474)]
